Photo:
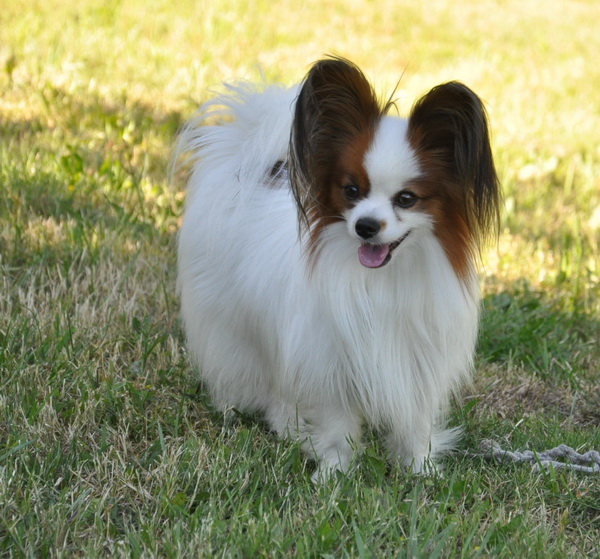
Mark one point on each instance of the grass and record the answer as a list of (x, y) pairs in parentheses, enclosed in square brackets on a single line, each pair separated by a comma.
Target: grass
[(107, 444)]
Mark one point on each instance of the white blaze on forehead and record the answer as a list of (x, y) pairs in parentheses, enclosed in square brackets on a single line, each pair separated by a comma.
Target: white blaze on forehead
[(391, 162)]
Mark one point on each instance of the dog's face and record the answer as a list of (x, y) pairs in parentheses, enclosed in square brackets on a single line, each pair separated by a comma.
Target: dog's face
[(391, 181), (382, 203)]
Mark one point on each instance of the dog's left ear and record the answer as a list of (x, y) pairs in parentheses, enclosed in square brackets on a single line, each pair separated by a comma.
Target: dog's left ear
[(448, 126)]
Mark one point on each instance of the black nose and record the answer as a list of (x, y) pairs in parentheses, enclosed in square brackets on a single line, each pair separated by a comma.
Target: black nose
[(367, 227)]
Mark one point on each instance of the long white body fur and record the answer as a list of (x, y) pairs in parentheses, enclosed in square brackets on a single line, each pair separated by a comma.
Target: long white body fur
[(320, 350)]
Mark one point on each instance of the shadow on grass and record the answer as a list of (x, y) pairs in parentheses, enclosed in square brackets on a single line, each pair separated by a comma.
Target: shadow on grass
[(531, 328), (85, 169)]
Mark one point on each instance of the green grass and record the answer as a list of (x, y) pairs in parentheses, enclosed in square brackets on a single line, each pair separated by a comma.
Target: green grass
[(107, 444)]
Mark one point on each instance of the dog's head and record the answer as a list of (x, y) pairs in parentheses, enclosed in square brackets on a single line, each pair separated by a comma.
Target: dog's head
[(391, 180)]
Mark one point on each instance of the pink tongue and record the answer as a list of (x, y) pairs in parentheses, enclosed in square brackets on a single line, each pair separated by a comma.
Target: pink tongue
[(372, 256)]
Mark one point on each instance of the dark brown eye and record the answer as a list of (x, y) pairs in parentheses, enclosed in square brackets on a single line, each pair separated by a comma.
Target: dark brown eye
[(351, 191), (405, 199)]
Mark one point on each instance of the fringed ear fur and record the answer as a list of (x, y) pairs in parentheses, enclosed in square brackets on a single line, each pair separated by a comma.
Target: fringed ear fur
[(448, 126)]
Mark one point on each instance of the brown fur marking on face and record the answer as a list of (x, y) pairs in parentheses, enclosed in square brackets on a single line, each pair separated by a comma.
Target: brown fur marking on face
[(332, 199), (445, 203)]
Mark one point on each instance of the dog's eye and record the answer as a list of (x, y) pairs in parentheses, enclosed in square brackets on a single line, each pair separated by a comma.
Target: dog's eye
[(405, 199), (351, 191)]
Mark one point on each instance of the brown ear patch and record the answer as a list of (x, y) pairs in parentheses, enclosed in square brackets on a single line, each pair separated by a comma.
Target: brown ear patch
[(335, 118), (448, 130)]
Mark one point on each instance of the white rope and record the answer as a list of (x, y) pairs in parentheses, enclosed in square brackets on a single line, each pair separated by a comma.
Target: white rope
[(588, 462)]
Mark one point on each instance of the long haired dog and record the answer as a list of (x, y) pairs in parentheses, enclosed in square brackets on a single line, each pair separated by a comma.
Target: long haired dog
[(327, 258)]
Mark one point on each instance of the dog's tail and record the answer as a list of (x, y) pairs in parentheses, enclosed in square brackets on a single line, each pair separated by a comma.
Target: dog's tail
[(242, 133)]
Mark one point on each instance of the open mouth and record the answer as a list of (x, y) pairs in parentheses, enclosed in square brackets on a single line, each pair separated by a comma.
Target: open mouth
[(376, 256)]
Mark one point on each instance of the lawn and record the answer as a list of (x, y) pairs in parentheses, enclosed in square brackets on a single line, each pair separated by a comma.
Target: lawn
[(108, 446)]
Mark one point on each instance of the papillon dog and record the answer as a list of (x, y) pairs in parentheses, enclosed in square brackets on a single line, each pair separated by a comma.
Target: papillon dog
[(327, 258)]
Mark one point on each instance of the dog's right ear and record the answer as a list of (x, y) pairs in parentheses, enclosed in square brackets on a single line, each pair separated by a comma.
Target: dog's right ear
[(335, 106)]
